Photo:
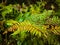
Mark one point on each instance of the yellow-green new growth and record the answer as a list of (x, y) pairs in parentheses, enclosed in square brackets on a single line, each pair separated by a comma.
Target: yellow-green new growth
[(26, 25)]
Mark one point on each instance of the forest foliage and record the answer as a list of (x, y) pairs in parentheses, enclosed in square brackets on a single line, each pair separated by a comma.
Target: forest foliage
[(30, 22)]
